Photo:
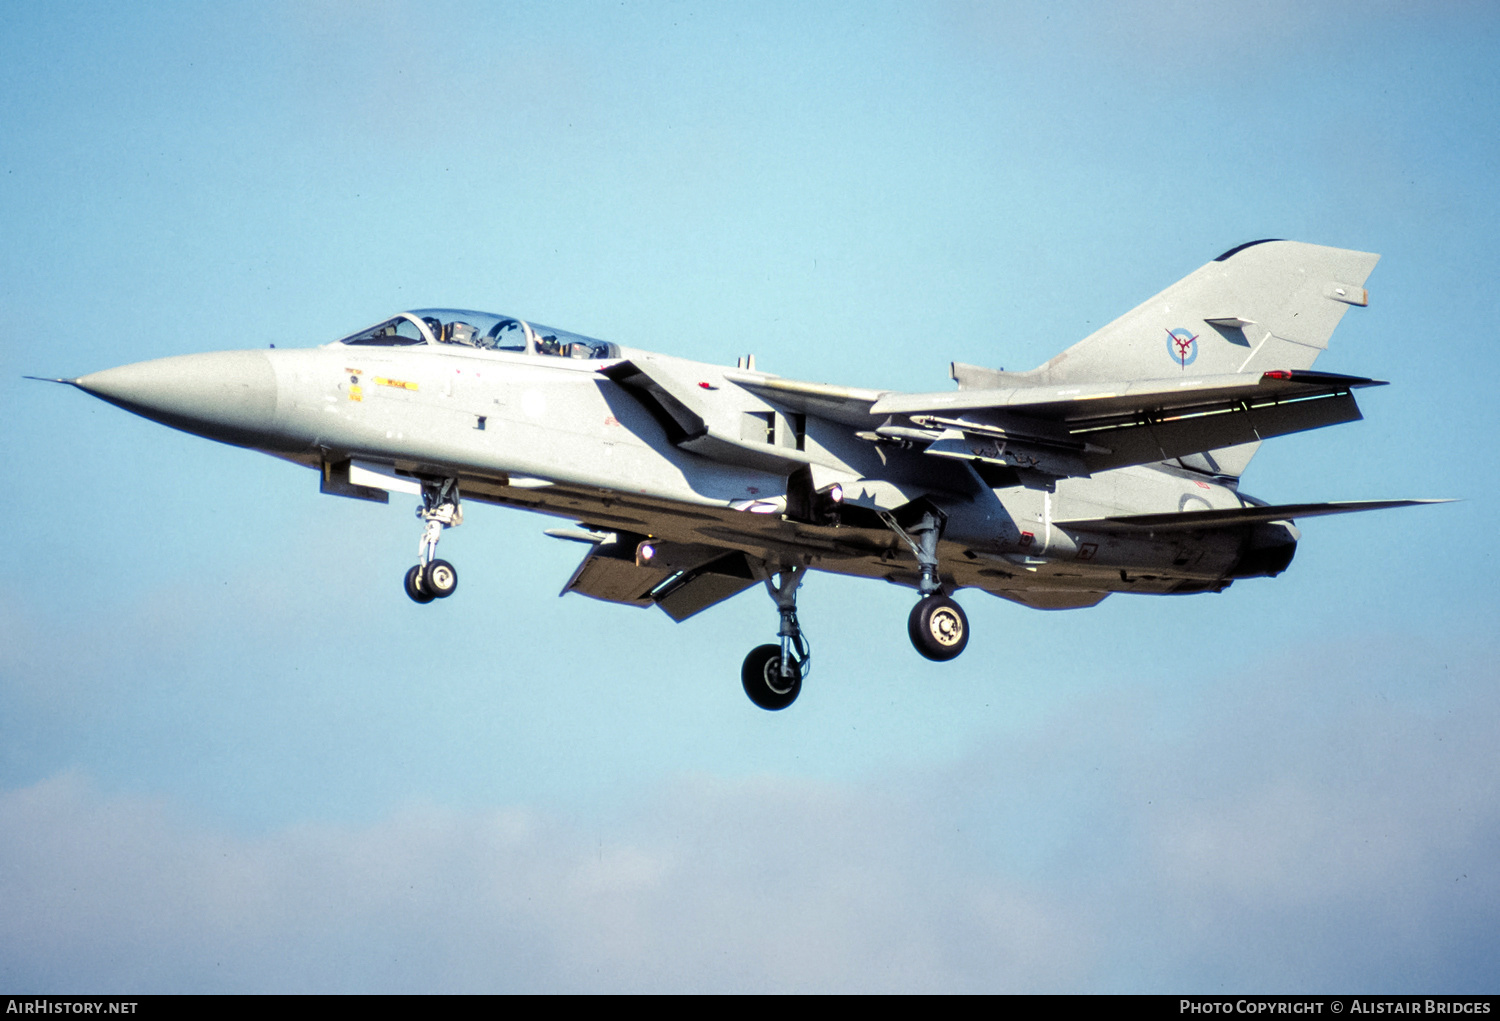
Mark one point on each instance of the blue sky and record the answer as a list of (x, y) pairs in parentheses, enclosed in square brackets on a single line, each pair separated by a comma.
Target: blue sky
[(234, 756)]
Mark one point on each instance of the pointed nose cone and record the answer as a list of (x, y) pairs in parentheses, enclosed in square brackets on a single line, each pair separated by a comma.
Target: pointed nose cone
[(227, 395)]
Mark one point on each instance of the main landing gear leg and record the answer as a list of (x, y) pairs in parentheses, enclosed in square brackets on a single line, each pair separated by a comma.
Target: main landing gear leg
[(432, 578), (937, 626), (772, 674)]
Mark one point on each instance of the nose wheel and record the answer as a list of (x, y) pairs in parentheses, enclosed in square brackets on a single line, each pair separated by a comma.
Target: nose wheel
[(440, 578), (432, 578), (437, 579), (414, 587)]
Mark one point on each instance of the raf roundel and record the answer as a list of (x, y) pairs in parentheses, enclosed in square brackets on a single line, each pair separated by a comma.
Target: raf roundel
[(1182, 346)]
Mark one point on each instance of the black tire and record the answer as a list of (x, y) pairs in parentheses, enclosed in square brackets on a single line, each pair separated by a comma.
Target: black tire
[(761, 676), (439, 578), (414, 586), (938, 628)]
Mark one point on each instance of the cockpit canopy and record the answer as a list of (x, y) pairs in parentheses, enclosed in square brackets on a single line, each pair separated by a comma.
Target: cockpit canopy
[(484, 330)]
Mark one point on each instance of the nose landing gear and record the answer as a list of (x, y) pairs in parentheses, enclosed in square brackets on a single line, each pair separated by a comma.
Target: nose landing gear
[(432, 578), (772, 674), (414, 587)]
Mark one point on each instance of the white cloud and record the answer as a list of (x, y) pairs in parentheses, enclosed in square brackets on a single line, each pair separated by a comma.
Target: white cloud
[(767, 885), (1252, 851)]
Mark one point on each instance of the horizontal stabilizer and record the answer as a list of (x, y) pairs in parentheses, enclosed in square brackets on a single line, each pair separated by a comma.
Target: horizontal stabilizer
[(1230, 517)]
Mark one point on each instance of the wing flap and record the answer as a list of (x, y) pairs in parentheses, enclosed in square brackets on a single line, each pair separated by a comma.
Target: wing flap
[(1080, 430), (1161, 438), (1088, 401)]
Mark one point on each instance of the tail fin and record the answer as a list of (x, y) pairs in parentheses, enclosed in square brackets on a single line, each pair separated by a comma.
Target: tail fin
[(1262, 306)]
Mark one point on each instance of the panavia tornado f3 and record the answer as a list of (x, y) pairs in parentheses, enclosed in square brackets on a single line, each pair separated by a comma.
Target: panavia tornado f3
[(1114, 467)]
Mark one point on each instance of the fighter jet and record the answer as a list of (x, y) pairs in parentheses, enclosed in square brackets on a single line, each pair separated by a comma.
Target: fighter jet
[(1114, 467)]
